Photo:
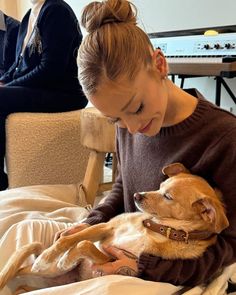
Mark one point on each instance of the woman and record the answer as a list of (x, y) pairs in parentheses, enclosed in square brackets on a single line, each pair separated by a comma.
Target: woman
[(157, 124), (44, 75)]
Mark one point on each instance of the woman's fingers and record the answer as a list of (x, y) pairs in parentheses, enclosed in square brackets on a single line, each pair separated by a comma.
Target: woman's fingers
[(114, 252)]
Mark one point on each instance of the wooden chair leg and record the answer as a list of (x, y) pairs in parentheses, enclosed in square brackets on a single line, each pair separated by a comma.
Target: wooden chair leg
[(93, 175)]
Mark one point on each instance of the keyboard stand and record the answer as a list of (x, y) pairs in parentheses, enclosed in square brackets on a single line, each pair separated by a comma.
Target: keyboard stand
[(219, 71), (220, 81)]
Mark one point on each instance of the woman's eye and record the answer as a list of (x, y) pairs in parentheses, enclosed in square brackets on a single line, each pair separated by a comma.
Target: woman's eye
[(139, 110), (168, 196)]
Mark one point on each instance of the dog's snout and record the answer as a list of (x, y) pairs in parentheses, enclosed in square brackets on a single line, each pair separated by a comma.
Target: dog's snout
[(139, 196)]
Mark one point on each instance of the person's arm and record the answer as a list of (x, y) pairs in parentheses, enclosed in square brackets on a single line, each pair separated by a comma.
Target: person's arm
[(7, 76), (112, 206), (57, 40), (222, 167), (190, 271), (10, 48)]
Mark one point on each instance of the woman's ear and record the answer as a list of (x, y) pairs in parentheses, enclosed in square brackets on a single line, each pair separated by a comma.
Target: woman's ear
[(160, 63)]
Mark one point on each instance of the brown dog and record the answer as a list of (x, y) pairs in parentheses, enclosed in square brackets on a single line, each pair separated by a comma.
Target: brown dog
[(180, 220)]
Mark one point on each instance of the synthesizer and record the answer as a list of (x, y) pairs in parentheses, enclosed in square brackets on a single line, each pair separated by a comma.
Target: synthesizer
[(186, 50)]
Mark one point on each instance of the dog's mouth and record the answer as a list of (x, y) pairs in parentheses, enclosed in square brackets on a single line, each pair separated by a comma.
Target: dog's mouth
[(138, 207), (140, 203), (141, 209), (138, 200)]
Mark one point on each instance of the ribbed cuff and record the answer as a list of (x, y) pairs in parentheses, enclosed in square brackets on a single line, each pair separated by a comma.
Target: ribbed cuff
[(93, 220), (146, 261)]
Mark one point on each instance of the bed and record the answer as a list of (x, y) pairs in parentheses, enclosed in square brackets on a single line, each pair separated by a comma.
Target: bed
[(61, 206)]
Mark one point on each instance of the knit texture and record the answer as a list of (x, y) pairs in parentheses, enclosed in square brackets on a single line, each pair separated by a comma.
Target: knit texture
[(45, 149)]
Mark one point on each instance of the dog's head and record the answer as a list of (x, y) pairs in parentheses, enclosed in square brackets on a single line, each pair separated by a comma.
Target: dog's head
[(187, 197)]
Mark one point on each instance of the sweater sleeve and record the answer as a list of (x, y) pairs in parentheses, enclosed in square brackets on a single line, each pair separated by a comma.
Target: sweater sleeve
[(57, 38), (7, 76), (112, 206), (10, 47), (222, 162)]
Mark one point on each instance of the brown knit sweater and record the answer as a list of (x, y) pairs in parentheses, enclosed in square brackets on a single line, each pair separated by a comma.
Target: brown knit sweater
[(205, 143)]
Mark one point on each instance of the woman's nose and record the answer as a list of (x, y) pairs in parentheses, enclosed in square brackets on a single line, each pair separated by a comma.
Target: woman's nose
[(132, 125)]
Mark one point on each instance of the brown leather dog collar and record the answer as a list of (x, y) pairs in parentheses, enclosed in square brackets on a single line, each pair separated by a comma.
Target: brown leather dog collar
[(174, 234)]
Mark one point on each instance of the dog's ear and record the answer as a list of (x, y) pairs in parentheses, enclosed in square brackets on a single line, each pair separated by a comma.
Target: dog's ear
[(212, 212), (174, 169)]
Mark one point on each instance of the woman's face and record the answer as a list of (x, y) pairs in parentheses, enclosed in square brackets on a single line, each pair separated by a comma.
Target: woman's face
[(139, 106)]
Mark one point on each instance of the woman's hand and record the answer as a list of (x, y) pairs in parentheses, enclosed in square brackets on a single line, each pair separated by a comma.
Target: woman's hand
[(1, 84), (125, 264), (70, 231)]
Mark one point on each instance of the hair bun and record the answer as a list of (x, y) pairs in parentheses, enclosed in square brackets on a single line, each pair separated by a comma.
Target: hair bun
[(97, 14)]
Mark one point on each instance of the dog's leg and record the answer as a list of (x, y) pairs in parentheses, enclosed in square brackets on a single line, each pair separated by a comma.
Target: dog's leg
[(84, 249), (23, 289), (93, 234), (16, 260)]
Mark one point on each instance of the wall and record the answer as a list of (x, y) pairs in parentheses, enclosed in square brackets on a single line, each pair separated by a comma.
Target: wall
[(170, 15), (15, 8), (9, 7), (22, 7)]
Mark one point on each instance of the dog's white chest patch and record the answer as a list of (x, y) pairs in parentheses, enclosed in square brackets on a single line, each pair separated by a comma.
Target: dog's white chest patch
[(129, 238)]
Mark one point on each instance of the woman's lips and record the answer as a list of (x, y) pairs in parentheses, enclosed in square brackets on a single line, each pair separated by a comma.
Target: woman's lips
[(146, 128)]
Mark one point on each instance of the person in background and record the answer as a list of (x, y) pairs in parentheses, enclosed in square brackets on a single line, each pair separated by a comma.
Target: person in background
[(8, 35), (44, 75), (157, 124)]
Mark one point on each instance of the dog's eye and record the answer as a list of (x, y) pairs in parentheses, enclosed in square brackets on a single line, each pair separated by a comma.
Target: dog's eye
[(167, 196)]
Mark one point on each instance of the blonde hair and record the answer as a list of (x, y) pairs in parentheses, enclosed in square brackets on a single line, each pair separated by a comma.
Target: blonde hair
[(114, 47)]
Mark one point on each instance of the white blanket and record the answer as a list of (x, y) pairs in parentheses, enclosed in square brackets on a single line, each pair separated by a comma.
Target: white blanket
[(51, 202), (54, 207)]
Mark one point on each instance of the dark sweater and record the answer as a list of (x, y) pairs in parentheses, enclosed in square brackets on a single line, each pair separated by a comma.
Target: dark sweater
[(205, 143), (49, 61), (8, 44)]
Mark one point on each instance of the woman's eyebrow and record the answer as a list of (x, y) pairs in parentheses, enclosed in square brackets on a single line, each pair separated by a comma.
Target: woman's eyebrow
[(128, 103)]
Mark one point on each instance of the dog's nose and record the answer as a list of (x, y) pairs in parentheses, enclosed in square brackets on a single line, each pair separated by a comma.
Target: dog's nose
[(139, 196)]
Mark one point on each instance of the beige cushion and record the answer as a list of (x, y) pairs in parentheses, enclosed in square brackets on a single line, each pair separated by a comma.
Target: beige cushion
[(43, 148)]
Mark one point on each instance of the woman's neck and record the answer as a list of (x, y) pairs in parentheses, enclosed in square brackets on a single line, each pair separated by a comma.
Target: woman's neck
[(36, 7), (34, 2), (180, 105)]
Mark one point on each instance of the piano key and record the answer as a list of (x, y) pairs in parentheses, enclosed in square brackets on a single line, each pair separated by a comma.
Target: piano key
[(194, 59)]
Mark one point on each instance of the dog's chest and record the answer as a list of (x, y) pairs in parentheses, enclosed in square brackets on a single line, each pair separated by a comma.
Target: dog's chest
[(129, 237)]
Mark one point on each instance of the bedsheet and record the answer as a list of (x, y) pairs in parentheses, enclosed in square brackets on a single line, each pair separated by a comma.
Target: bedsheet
[(62, 203)]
